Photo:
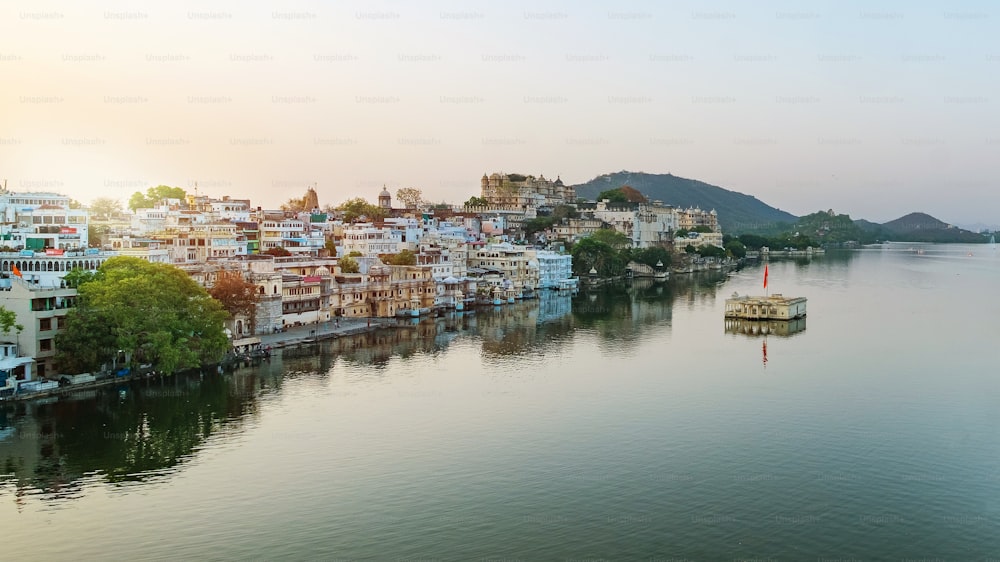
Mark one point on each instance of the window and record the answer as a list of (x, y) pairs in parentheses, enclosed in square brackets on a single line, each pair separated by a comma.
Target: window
[(45, 345), (44, 324)]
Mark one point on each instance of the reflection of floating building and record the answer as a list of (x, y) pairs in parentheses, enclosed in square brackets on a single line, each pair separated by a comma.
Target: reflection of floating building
[(774, 307), (765, 327)]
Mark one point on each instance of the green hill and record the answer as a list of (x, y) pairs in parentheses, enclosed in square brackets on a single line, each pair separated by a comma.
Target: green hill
[(738, 213), (921, 227)]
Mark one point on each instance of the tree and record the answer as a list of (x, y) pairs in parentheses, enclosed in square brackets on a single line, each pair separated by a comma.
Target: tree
[(565, 212), (8, 321), (307, 202), (736, 249), (537, 224), (592, 253), (711, 251), (98, 234), (613, 195), (652, 255), (78, 276), (154, 195), (411, 197), (754, 241), (354, 209), (154, 312), (477, 202), (632, 194), (277, 252), (237, 296), (294, 205), (405, 257), (349, 265), (105, 207), (612, 238)]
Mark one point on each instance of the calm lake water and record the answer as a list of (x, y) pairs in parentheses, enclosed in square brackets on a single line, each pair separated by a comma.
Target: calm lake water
[(626, 424)]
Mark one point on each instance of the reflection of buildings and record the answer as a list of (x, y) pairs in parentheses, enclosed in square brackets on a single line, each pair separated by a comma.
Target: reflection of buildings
[(765, 327), (129, 433)]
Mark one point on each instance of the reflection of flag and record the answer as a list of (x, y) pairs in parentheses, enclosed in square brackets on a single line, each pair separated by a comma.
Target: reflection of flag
[(16, 271), (765, 275), (765, 352)]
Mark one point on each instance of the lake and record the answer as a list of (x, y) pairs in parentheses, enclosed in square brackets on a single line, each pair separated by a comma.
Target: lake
[(628, 423)]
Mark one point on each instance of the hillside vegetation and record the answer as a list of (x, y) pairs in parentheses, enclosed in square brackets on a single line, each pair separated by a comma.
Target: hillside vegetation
[(737, 212)]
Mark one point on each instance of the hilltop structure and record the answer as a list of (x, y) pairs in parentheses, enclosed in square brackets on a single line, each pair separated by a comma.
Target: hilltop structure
[(516, 190)]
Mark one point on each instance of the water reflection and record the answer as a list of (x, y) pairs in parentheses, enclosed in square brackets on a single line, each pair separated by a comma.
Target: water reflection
[(764, 327), (147, 430), (123, 434)]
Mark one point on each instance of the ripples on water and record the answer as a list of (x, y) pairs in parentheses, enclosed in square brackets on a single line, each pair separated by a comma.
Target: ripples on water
[(624, 424)]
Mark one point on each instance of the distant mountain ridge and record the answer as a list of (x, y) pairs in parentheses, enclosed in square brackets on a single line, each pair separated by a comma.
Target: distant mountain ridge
[(741, 214), (738, 212), (920, 227)]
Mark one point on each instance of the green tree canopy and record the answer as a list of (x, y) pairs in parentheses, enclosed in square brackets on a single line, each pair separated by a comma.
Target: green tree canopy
[(736, 249), (105, 207), (410, 197), (612, 238), (78, 276), (349, 265), (613, 195), (8, 321), (154, 195), (652, 255), (477, 202), (153, 312), (405, 257), (593, 253), (357, 208)]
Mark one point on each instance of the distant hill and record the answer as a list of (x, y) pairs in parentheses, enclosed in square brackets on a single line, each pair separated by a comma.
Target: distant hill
[(738, 213), (921, 227)]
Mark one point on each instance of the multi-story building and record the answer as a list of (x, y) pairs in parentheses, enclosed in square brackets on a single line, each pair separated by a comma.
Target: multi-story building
[(371, 240), (517, 264), (42, 312), (46, 269), (516, 190), (39, 221), (645, 224), (291, 234), (305, 299), (575, 228), (555, 271), (199, 241), (691, 218)]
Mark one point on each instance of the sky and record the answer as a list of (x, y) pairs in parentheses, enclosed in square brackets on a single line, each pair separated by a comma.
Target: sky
[(873, 109)]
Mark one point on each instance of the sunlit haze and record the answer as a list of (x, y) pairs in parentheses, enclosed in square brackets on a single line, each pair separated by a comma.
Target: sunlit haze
[(874, 110)]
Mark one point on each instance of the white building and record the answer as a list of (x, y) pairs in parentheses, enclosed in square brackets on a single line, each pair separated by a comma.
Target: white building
[(37, 221), (370, 240), (555, 271)]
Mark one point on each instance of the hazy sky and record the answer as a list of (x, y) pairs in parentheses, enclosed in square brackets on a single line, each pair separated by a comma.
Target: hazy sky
[(874, 109)]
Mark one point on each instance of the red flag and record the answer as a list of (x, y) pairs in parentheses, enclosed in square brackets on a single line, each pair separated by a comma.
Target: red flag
[(765, 275), (15, 271)]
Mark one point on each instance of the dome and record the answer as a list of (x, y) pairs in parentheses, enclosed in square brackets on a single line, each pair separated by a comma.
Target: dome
[(385, 192), (322, 271)]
